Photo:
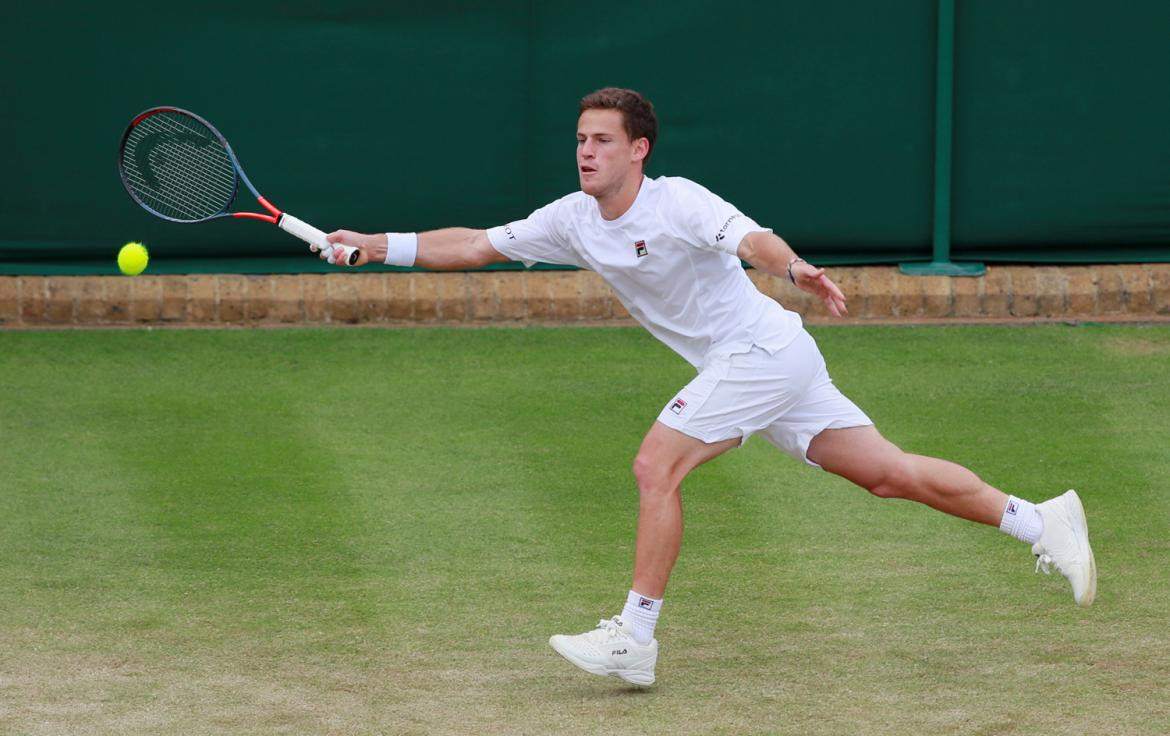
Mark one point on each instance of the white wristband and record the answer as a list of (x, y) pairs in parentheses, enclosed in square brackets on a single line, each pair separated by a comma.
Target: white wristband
[(401, 249)]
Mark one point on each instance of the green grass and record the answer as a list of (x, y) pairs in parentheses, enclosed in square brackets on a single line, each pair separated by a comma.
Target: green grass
[(368, 531)]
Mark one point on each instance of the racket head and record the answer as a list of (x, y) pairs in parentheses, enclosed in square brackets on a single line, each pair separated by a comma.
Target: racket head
[(177, 166)]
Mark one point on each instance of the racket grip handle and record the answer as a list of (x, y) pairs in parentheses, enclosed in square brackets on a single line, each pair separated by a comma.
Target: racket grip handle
[(316, 238)]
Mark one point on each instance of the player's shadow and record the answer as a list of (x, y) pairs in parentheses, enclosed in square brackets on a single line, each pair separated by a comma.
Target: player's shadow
[(612, 689)]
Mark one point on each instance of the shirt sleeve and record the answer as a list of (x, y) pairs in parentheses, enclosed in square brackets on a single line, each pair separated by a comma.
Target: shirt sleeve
[(540, 237), (709, 222)]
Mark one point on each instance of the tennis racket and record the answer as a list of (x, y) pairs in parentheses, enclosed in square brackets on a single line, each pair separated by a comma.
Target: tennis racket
[(177, 166)]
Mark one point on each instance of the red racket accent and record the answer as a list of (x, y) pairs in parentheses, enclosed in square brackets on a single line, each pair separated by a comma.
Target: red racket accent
[(255, 215), (154, 111), (273, 218)]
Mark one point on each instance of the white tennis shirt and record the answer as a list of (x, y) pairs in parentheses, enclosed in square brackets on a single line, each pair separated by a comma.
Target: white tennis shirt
[(670, 259)]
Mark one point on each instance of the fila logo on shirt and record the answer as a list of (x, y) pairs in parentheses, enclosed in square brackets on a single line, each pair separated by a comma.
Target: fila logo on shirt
[(678, 406), (640, 248)]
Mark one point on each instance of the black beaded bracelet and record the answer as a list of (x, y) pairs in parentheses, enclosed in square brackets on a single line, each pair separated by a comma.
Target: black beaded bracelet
[(791, 263)]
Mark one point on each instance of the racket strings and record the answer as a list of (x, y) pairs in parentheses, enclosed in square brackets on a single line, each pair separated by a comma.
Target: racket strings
[(168, 176), (184, 160), (169, 193), (178, 190), (177, 167)]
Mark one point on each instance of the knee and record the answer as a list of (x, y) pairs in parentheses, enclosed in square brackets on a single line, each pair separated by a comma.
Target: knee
[(652, 476), (895, 479)]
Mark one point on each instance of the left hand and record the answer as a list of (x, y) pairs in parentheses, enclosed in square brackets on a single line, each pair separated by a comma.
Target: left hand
[(813, 280)]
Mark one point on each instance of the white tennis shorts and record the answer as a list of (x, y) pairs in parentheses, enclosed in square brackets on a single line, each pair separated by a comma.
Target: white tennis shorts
[(787, 397)]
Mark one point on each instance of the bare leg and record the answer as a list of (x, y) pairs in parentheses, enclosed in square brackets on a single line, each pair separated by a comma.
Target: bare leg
[(665, 458), (863, 456)]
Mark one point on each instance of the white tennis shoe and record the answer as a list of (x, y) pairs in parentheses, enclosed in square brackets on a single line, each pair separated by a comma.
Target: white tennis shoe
[(1064, 545), (610, 650)]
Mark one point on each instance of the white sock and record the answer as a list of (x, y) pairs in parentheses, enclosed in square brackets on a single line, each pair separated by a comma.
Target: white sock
[(1022, 520), (641, 615)]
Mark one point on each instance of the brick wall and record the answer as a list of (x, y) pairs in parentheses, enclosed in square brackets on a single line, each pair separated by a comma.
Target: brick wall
[(1099, 293)]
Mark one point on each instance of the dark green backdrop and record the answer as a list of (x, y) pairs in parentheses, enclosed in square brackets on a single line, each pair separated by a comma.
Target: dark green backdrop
[(816, 119)]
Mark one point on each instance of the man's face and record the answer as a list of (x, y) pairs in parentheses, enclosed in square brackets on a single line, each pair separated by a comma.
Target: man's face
[(605, 153)]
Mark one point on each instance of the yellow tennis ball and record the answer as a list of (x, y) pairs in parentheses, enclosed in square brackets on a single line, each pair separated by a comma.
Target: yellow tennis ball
[(132, 259)]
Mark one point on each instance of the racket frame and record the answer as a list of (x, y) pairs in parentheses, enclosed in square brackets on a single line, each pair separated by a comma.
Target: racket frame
[(311, 235)]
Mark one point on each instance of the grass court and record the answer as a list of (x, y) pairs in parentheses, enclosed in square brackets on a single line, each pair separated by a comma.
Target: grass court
[(375, 531)]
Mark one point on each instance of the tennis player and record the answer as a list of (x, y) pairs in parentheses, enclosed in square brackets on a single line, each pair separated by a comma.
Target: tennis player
[(671, 250)]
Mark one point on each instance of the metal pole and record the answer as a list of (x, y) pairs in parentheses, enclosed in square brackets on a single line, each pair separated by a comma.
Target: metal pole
[(943, 121), (944, 88)]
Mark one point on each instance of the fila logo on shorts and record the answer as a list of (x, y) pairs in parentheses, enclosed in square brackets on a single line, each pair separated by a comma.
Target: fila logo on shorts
[(678, 406), (640, 248)]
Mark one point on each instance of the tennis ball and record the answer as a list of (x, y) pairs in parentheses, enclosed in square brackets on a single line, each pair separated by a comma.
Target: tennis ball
[(132, 259)]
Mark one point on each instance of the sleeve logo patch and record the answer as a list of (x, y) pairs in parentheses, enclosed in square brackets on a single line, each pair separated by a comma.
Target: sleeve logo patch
[(678, 406), (723, 230)]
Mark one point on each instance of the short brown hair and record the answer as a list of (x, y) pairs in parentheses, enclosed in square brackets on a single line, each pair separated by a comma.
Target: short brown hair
[(637, 113)]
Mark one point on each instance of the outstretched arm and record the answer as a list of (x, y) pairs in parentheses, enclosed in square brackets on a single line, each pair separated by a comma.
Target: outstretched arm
[(769, 252), (449, 249)]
